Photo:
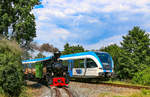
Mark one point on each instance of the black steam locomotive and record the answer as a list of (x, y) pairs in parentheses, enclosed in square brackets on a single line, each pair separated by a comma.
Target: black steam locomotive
[(49, 69)]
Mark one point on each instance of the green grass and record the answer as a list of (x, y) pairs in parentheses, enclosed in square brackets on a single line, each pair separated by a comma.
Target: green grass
[(125, 83)]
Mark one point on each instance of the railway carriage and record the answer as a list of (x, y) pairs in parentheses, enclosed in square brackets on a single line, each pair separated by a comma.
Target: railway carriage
[(89, 64)]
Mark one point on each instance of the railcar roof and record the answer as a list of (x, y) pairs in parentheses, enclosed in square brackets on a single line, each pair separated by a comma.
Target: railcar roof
[(80, 54)]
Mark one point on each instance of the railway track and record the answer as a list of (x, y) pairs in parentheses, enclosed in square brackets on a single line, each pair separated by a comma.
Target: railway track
[(116, 85), (68, 92), (59, 93)]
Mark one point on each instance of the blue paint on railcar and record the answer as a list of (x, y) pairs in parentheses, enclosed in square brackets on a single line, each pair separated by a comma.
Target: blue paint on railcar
[(79, 71), (70, 66)]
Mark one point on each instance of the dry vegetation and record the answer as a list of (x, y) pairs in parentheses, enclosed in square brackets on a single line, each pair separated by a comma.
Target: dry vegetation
[(141, 93)]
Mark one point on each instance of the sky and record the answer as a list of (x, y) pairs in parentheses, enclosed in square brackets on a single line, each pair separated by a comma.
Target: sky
[(90, 23)]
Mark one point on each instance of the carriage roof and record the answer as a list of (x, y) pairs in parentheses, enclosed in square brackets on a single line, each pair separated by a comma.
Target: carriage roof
[(36, 60)]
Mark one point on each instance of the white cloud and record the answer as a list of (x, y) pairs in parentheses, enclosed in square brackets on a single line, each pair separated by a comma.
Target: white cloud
[(105, 42), (63, 8), (83, 20), (93, 20)]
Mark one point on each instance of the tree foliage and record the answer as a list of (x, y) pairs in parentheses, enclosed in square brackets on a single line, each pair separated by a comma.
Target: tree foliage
[(142, 77), (16, 20), (11, 74), (72, 49), (135, 53), (40, 55), (48, 48), (115, 51)]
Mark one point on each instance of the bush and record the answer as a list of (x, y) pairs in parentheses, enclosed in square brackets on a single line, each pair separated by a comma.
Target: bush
[(11, 74), (26, 92), (142, 77)]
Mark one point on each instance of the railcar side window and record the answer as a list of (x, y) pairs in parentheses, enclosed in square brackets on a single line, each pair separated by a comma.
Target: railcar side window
[(90, 63), (79, 63)]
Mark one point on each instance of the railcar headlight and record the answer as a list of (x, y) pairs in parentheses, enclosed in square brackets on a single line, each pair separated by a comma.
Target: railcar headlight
[(101, 68)]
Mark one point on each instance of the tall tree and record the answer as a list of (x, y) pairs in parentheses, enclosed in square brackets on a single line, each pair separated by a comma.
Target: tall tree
[(17, 21), (40, 55), (135, 53), (72, 49), (48, 48), (115, 51)]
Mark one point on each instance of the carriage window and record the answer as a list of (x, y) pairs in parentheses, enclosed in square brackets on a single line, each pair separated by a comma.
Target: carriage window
[(79, 63), (33, 65), (65, 63), (29, 66), (91, 63), (24, 67)]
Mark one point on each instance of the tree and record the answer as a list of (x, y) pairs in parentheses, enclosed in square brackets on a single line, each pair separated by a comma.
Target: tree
[(16, 20), (135, 53), (48, 48), (142, 77), (40, 55), (11, 71), (72, 49), (115, 51)]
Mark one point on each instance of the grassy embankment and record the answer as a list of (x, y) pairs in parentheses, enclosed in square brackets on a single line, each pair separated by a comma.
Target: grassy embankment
[(125, 83)]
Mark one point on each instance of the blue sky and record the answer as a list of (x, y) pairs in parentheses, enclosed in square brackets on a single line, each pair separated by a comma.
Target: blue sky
[(90, 23)]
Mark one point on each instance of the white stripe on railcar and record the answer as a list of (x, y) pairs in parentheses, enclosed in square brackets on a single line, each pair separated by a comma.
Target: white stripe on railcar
[(83, 57)]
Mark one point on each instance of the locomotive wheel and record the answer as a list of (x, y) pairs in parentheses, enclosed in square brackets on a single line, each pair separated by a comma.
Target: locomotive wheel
[(49, 78), (50, 81), (67, 81)]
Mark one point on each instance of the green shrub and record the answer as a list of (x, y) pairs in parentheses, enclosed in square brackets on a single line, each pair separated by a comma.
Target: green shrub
[(11, 74), (1, 90), (145, 92), (25, 92), (142, 77)]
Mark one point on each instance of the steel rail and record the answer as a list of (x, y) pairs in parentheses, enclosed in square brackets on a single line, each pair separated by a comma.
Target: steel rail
[(68, 92), (58, 94)]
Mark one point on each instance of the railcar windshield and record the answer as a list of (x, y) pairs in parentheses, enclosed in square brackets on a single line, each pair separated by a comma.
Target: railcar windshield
[(105, 60)]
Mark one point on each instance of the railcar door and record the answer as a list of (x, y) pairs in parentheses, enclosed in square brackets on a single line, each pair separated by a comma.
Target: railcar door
[(70, 66), (91, 68), (79, 69)]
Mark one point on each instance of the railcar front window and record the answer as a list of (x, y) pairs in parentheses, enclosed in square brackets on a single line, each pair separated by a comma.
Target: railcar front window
[(105, 60)]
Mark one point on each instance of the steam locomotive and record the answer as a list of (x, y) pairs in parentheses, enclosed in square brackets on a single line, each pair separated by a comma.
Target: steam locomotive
[(49, 69)]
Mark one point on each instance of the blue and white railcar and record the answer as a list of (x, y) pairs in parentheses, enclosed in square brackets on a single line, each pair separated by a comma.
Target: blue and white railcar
[(89, 64)]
